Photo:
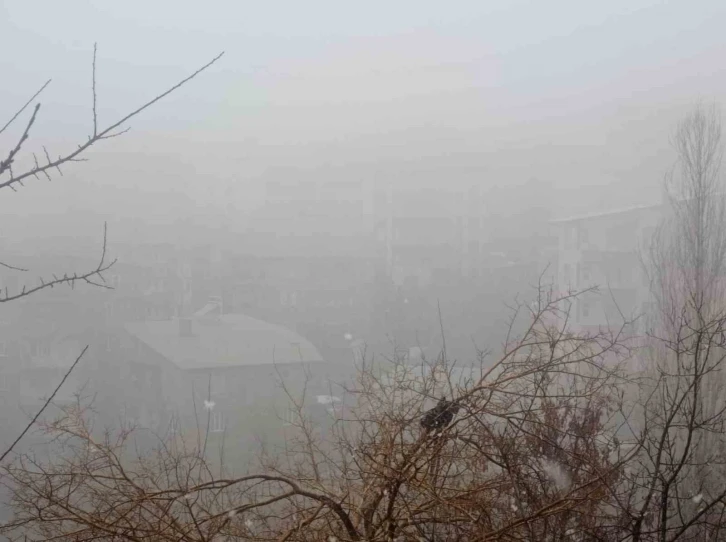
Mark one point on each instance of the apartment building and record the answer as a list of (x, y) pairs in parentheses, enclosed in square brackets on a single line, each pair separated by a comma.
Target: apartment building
[(604, 250), (428, 231)]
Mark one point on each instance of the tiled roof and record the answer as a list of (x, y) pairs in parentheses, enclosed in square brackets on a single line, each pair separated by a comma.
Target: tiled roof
[(230, 341)]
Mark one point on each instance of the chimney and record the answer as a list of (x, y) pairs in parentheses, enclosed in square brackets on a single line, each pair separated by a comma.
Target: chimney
[(185, 327)]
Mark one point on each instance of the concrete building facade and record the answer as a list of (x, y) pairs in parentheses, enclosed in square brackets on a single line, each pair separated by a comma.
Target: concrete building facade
[(604, 250)]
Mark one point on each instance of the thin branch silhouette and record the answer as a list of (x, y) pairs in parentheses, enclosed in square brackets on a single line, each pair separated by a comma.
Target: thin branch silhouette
[(45, 405)]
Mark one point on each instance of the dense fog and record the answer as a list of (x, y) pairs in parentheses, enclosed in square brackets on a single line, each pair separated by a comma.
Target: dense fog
[(353, 198)]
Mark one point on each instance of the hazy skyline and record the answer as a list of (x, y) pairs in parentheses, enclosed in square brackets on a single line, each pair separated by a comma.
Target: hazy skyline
[(577, 94)]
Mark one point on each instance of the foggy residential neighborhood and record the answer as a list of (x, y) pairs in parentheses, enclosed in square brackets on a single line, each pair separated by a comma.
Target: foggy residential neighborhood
[(362, 272)]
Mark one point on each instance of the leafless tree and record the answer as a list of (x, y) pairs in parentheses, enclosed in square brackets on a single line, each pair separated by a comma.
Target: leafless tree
[(546, 444), (531, 455), (680, 484), (13, 176)]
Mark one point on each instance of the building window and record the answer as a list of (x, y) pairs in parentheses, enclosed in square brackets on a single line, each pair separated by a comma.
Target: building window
[(115, 281), (174, 425), (332, 403), (619, 276), (289, 416), (3, 350), (216, 422), (583, 236), (586, 273), (40, 349)]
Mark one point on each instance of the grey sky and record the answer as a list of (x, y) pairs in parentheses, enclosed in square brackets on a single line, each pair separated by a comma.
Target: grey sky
[(578, 93)]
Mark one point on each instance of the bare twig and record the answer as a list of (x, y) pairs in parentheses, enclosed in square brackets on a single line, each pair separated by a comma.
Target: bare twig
[(93, 88), (45, 405), (12, 267), (6, 164), (106, 133), (20, 111), (94, 277)]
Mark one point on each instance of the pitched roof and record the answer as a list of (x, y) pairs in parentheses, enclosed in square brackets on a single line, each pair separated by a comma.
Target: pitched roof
[(601, 214), (232, 340)]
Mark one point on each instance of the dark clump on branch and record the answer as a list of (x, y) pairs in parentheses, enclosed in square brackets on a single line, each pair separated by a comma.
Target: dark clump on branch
[(440, 416)]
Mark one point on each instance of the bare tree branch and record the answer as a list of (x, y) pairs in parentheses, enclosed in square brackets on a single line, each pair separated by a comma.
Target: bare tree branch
[(106, 133), (20, 111), (93, 89), (94, 277), (45, 405)]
